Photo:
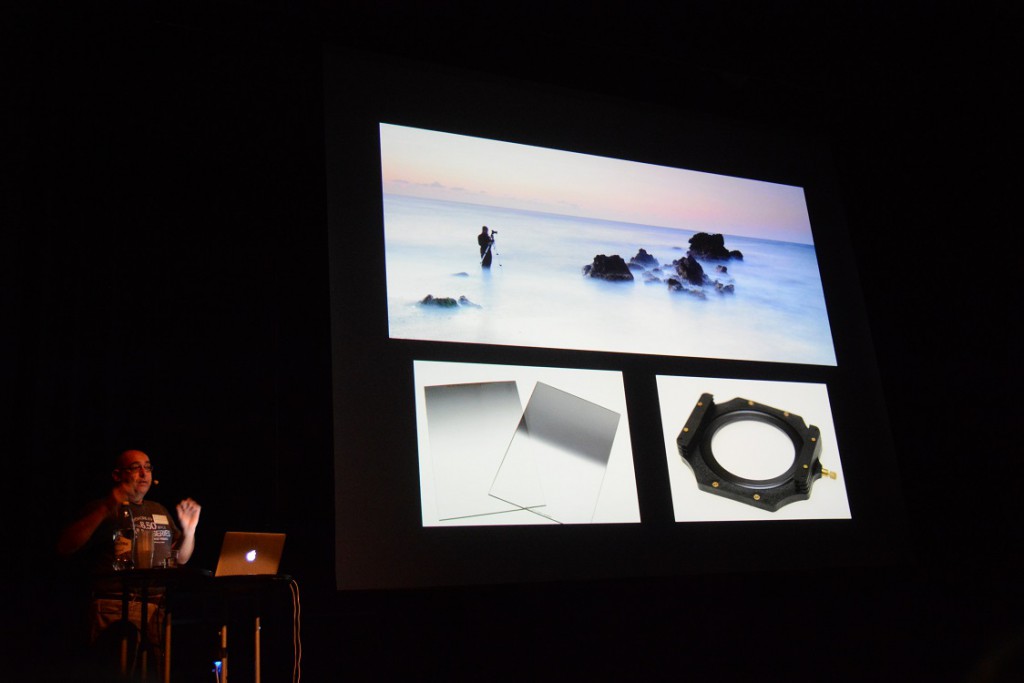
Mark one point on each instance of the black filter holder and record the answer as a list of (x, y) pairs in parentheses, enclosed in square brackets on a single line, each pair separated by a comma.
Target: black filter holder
[(707, 418)]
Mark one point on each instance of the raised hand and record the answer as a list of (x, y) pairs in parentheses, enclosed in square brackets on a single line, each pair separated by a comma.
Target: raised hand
[(188, 515)]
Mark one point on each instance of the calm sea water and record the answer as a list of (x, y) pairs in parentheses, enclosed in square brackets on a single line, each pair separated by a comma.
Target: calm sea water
[(536, 295)]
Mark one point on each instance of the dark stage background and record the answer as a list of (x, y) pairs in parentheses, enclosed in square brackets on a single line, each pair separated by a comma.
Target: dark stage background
[(166, 288)]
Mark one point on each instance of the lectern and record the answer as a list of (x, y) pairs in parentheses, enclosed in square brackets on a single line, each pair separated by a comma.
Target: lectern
[(222, 600)]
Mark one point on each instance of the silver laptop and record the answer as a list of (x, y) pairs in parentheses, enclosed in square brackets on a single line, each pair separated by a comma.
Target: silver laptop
[(246, 553)]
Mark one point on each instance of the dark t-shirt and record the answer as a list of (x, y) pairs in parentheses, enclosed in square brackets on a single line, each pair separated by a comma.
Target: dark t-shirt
[(146, 515)]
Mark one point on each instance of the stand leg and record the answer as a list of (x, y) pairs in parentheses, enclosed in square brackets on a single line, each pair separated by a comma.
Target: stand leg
[(167, 648), (224, 654), (144, 631), (124, 633), (257, 649)]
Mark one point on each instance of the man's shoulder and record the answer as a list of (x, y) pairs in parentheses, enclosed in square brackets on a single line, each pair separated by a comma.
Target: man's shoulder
[(152, 507), (96, 504)]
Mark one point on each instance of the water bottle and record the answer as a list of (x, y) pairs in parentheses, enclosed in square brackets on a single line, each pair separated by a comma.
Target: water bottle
[(123, 535)]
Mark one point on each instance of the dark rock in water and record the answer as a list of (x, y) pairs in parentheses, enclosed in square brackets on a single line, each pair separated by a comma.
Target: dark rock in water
[(447, 302), (721, 269), (611, 268), (725, 289), (675, 285), (711, 247), (650, 278), (439, 301), (690, 270), (643, 259), (635, 266), (462, 274)]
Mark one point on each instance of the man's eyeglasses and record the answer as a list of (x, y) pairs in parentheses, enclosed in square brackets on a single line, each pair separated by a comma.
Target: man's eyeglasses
[(135, 468)]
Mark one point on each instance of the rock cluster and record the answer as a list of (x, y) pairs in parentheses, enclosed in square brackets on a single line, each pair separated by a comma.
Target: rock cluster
[(686, 274)]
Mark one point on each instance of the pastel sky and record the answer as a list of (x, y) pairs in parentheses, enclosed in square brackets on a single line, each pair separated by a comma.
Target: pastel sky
[(435, 165)]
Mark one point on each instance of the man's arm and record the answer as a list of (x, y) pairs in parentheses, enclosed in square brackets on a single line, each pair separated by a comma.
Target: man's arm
[(188, 517), (78, 533)]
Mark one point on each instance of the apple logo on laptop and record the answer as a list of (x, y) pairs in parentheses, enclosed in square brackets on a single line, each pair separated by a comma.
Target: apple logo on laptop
[(251, 556)]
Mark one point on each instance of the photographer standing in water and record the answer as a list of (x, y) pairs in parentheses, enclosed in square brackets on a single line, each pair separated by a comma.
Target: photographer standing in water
[(486, 242)]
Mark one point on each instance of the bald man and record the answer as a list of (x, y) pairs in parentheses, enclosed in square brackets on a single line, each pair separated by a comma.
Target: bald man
[(133, 477), (92, 535)]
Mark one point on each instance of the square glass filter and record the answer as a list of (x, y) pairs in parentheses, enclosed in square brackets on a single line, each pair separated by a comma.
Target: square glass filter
[(470, 427), (556, 463)]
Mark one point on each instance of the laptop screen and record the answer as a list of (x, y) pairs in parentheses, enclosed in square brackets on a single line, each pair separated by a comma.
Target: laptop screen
[(245, 553)]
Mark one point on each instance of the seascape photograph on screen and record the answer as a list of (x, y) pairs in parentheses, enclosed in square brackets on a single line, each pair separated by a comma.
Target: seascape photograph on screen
[(492, 242)]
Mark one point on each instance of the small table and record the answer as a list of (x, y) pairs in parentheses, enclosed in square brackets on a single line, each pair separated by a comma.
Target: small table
[(182, 581)]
